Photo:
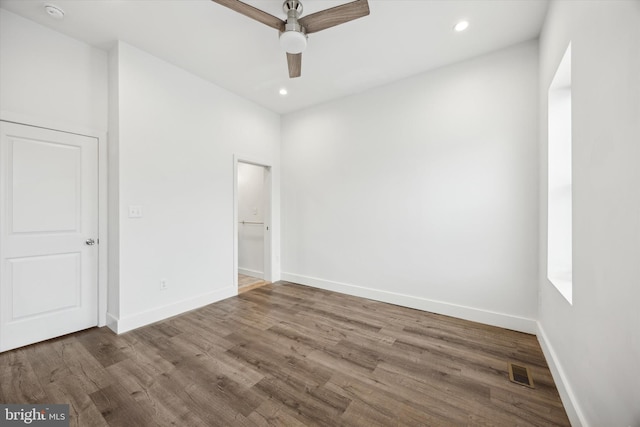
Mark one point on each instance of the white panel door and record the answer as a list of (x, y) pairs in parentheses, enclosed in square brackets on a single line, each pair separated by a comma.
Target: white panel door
[(49, 231)]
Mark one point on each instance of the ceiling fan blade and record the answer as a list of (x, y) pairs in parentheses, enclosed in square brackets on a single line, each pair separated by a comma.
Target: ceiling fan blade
[(294, 60), (253, 13), (334, 16)]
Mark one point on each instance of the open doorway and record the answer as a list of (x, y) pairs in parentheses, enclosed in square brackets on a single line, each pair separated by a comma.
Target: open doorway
[(253, 215)]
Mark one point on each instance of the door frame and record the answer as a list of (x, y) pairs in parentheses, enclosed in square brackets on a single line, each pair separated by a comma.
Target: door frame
[(268, 249), (103, 246)]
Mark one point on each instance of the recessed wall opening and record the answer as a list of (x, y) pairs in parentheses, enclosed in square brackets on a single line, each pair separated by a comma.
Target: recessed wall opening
[(252, 205), (559, 242)]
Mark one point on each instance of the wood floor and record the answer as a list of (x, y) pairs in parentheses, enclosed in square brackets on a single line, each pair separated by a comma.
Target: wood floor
[(289, 355), (246, 283)]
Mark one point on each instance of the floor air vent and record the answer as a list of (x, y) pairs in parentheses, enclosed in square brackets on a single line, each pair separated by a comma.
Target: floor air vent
[(520, 375)]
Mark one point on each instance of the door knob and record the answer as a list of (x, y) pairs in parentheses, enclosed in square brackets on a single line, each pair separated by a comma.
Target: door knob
[(90, 242)]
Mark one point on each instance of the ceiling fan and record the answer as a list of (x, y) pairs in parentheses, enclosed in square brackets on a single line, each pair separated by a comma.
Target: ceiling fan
[(293, 31)]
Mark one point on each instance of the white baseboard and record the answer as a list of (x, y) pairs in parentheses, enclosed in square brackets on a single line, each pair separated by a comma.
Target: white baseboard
[(516, 323), (112, 322), (252, 273), (569, 401), (128, 323)]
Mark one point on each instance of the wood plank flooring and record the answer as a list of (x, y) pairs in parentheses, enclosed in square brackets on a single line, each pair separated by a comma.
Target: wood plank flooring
[(247, 283), (289, 355)]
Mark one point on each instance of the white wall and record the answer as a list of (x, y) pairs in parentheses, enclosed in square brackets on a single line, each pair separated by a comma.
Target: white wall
[(175, 145), (593, 346), (423, 192), (251, 204), (49, 77)]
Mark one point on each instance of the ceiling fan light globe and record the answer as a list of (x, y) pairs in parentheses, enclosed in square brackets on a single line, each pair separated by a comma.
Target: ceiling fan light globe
[(293, 41)]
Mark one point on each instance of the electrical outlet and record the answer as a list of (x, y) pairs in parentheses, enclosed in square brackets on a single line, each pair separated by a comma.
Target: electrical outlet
[(163, 284)]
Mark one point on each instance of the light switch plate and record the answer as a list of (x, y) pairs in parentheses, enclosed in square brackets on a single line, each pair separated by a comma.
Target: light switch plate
[(135, 211)]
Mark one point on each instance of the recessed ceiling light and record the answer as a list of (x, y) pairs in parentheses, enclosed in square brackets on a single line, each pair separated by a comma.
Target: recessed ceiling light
[(54, 11), (461, 26), (283, 91)]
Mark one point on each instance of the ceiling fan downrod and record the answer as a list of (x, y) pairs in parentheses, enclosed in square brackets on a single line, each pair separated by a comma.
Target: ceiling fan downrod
[(293, 9)]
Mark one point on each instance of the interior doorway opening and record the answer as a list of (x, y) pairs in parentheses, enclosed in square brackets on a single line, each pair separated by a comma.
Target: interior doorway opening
[(253, 216)]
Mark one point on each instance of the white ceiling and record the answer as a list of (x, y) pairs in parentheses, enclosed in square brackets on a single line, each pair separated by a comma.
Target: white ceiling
[(398, 39)]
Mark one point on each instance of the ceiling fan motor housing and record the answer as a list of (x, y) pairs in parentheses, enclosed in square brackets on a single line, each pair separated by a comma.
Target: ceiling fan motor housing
[(294, 38)]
